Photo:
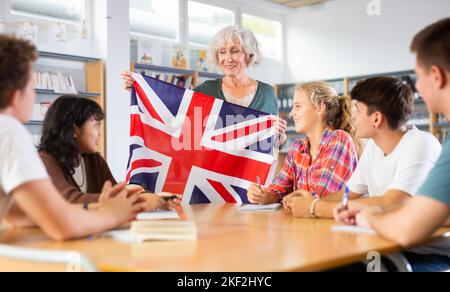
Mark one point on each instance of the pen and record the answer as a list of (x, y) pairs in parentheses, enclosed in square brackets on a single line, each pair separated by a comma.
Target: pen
[(258, 180), (170, 198), (345, 199)]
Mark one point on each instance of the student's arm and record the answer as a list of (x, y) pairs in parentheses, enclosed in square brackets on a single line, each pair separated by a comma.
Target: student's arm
[(391, 197), (283, 184), (411, 224), (62, 221), (447, 223), (299, 203), (325, 208)]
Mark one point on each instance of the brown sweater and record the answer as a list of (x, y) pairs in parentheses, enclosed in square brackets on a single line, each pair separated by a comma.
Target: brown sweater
[(97, 173)]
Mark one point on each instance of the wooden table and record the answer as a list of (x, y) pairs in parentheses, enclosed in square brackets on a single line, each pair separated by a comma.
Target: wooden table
[(229, 240)]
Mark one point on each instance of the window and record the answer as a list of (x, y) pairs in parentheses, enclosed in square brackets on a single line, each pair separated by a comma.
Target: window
[(269, 34), (205, 21), (69, 10), (157, 18)]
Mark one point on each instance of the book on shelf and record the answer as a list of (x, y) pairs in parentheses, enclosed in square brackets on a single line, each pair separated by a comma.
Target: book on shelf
[(185, 81), (39, 111), (198, 60), (146, 52), (163, 230), (55, 81), (179, 60)]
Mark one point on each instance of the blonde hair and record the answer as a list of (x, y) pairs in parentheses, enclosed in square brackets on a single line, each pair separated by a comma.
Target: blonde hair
[(231, 34), (338, 109)]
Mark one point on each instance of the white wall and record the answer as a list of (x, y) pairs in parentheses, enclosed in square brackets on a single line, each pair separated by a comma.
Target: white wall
[(339, 38), (112, 43)]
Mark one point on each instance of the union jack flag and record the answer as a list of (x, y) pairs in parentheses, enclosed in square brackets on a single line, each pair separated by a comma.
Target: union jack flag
[(203, 148)]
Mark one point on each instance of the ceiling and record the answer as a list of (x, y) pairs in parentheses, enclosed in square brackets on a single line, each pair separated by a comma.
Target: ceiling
[(296, 3)]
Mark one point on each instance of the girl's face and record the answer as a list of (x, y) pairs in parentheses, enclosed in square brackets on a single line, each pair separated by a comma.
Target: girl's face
[(232, 59), (305, 115), (88, 136)]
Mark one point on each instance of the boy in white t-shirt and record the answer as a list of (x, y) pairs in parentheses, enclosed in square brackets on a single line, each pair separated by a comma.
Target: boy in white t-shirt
[(396, 159), (22, 174)]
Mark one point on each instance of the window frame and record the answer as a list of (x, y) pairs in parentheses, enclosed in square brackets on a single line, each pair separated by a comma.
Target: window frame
[(264, 15), (217, 3), (178, 40), (239, 8)]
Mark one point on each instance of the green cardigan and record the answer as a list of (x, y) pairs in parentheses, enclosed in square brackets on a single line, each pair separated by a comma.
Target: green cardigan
[(265, 99)]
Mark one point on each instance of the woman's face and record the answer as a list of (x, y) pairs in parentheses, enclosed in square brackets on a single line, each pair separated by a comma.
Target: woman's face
[(88, 137), (304, 114), (232, 59)]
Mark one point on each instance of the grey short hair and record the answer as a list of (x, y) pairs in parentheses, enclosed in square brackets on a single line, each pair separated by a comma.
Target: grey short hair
[(234, 33)]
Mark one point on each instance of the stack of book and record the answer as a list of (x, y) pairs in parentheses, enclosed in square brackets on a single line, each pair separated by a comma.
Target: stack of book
[(55, 81), (163, 230)]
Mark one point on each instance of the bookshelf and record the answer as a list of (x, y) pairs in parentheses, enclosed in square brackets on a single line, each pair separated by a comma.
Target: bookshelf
[(421, 117), (82, 76), (181, 77)]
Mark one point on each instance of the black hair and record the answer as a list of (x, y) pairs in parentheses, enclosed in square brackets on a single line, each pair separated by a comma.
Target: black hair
[(58, 140)]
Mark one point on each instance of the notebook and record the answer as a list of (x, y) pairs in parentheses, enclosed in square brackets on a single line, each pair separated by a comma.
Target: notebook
[(261, 208)]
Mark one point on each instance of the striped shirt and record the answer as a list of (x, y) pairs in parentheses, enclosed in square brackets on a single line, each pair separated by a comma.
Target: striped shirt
[(326, 174)]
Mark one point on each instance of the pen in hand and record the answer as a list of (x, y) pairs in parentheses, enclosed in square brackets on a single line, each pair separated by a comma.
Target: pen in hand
[(258, 180), (345, 198)]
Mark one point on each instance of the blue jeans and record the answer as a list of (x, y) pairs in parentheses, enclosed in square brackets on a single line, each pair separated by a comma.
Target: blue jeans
[(427, 263), (419, 264)]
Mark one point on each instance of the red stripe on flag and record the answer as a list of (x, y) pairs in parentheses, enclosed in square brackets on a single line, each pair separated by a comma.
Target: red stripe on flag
[(142, 163), (144, 98), (223, 192), (239, 133)]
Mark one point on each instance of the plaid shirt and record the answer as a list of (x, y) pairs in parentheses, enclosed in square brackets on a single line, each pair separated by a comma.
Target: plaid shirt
[(327, 174)]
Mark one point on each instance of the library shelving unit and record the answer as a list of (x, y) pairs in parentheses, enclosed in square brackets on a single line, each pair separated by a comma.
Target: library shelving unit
[(87, 75), (181, 77), (421, 117)]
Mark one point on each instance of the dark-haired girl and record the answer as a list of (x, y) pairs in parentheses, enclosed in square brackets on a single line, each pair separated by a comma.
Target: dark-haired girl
[(69, 150)]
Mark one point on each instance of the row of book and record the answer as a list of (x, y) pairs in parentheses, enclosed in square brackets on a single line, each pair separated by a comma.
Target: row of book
[(39, 111), (55, 81), (185, 81)]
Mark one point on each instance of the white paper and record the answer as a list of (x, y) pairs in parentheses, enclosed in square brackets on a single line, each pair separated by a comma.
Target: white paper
[(158, 215), (352, 229), (261, 208), (124, 236)]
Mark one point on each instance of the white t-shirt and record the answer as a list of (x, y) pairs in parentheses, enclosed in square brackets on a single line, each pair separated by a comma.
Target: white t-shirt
[(19, 160), (405, 169)]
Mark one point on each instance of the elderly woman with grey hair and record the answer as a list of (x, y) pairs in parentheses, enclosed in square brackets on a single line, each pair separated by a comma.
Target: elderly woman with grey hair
[(233, 50)]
